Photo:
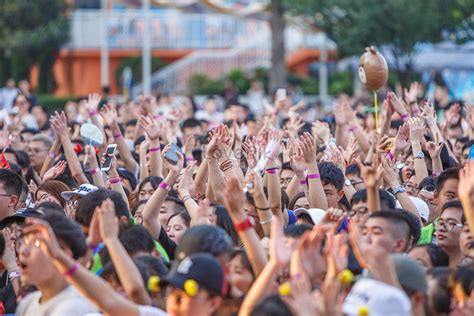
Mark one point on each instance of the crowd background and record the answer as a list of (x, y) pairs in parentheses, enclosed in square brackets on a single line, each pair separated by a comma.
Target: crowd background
[(274, 207)]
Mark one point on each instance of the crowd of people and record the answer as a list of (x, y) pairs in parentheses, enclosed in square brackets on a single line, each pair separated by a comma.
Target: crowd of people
[(272, 208)]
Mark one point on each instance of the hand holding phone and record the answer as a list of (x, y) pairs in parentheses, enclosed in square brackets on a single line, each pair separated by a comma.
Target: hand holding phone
[(109, 155), (171, 155), (281, 95)]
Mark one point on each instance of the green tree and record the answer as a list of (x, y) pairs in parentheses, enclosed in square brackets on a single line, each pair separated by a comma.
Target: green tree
[(396, 24), (31, 32)]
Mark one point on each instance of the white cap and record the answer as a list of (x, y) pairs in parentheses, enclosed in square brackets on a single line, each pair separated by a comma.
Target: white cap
[(316, 214), (81, 191), (421, 207), (378, 298)]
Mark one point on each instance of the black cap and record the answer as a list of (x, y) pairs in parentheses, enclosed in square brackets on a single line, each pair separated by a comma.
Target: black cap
[(203, 238), (19, 216), (198, 271)]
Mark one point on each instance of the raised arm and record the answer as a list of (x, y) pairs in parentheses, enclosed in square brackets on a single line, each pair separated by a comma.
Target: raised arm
[(152, 130), (265, 215), (59, 123), (152, 207), (92, 106), (416, 137), (466, 194), (115, 181), (372, 176), (49, 160), (434, 148), (273, 176)]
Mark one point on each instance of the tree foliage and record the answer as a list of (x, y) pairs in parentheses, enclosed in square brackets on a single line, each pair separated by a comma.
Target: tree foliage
[(31, 32)]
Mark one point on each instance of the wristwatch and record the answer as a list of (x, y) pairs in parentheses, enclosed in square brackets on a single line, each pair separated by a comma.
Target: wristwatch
[(347, 183), (419, 155), (399, 189)]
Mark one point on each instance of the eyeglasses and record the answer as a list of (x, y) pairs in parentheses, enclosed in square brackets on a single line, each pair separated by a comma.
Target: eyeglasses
[(4, 194), (34, 150), (28, 241), (361, 211), (449, 226), (73, 203), (354, 182)]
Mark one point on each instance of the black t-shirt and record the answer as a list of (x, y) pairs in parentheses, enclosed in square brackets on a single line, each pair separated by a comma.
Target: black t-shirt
[(7, 295), (168, 244)]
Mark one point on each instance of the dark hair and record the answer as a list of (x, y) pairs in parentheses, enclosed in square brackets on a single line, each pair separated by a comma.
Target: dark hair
[(184, 216), (438, 257), (396, 219), (353, 169), (2, 244), (296, 231), (244, 259), (450, 173), (224, 221), (440, 296), (137, 205), (68, 232), (12, 182), (286, 166), (190, 123), (136, 239), (124, 173), (33, 131), (272, 305), (428, 184), (414, 224), (452, 204), (468, 144), (295, 199), (153, 180), (331, 174), (152, 264), (50, 207), (88, 203), (465, 277), (131, 122), (387, 201)]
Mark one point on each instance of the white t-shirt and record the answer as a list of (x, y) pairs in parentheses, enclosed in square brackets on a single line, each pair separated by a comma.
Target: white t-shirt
[(68, 302), (143, 310)]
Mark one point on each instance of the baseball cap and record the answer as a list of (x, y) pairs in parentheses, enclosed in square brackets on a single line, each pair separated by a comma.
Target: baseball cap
[(316, 214), (81, 191), (203, 238), (420, 205), (19, 216), (199, 269), (410, 273), (377, 299)]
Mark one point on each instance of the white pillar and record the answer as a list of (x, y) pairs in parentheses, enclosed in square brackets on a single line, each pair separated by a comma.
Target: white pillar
[(323, 70), (104, 47), (146, 53)]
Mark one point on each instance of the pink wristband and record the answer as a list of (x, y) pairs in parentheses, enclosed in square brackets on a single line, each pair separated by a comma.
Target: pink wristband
[(313, 176), (405, 116), (303, 182), (93, 171), (165, 186), (51, 155), (435, 174), (93, 113), (390, 156), (157, 117), (271, 171), (153, 150), (91, 246), (72, 269), (353, 128), (114, 180), (190, 158), (118, 135)]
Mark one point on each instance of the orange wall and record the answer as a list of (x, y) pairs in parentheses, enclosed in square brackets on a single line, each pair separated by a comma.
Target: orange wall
[(77, 72)]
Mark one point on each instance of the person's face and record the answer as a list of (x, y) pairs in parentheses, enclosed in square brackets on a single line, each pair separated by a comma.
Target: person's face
[(166, 210), (176, 228), (71, 207), (252, 128), (178, 303), (408, 169), (465, 156), (39, 115), (410, 187), (421, 255), (145, 192), (302, 202), (22, 103), (448, 228), (238, 113), (43, 196), (332, 195), (129, 130), (27, 137), (429, 200), (457, 149), (239, 276), (71, 111), (285, 178), (212, 215), (10, 83), (378, 232), (37, 152), (466, 242), (35, 267), (210, 106), (138, 214), (7, 202), (448, 192), (359, 213), (356, 181), (196, 130)]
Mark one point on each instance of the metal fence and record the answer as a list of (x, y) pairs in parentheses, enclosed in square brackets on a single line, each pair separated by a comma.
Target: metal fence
[(170, 29)]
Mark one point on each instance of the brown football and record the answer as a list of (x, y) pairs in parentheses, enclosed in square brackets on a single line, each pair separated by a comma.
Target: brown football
[(373, 69)]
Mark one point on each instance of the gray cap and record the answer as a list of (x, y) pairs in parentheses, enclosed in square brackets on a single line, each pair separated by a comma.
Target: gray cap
[(410, 273)]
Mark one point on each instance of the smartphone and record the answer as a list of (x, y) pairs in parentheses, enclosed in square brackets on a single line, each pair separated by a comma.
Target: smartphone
[(390, 144), (172, 154), (109, 154), (281, 95), (471, 153)]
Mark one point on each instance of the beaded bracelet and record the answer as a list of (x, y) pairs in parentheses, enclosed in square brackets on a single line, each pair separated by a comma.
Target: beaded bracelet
[(313, 176), (154, 149), (72, 269)]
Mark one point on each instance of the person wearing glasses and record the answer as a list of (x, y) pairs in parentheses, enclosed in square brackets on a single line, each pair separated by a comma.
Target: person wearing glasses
[(10, 192), (448, 231), (37, 151)]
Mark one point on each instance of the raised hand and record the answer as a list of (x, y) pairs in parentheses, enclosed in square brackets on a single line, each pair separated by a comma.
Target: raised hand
[(109, 114), (186, 183), (428, 113), (108, 221), (234, 199), (280, 252), (293, 125), (412, 94), (189, 145), (402, 138), (55, 171), (308, 256), (150, 126), (383, 144), (272, 149), (337, 254), (390, 173), (308, 148), (371, 174), (339, 115), (350, 153), (175, 169), (416, 130), (397, 104), (255, 181), (297, 161), (321, 131), (92, 104), (251, 151), (466, 182), (59, 123), (434, 148)]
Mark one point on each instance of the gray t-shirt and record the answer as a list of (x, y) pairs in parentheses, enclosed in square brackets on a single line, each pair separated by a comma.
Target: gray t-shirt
[(68, 302)]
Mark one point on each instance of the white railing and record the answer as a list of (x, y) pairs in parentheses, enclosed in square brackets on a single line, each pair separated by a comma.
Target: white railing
[(174, 78), (170, 29)]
